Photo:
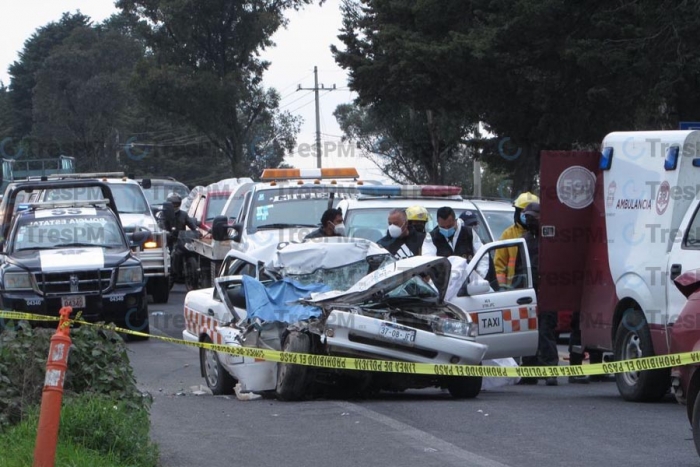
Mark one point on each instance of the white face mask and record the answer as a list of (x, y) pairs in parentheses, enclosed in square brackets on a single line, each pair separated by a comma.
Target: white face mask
[(339, 229), (395, 231)]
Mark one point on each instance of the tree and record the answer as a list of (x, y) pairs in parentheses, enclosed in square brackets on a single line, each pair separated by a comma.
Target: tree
[(203, 67), (23, 72), (398, 139), (393, 54), (81, 96), (545, 74)]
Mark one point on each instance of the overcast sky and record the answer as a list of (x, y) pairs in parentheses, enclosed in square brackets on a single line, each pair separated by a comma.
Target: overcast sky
[(303, 45)]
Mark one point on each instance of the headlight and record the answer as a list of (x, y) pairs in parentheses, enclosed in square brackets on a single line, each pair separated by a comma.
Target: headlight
[(130, 275), (17, 281), (454, 328), (150, 244)]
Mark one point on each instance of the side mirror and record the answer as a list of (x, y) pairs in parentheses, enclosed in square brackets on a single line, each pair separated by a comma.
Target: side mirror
[(478, 287), (238, 228), (139, 237), (146, 183), (219, 228)]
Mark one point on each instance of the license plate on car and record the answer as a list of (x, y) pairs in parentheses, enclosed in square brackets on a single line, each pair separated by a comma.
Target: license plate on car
[(398, 334), (73, 301)]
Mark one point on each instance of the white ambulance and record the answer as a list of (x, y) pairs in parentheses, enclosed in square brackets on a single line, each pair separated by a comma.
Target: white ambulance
[(617, 227)]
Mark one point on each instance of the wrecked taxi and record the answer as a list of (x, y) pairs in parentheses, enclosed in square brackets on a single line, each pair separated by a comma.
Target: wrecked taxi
[(339, 297)]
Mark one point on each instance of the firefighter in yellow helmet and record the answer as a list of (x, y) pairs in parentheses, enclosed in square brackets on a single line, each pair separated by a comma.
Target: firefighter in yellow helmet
[(505, 258), (417, 218)]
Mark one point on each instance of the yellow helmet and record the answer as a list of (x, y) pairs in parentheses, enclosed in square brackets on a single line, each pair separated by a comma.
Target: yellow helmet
[(417, 213), (525, 199)]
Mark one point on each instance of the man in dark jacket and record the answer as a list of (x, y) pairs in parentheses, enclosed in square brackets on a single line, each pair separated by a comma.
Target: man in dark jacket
[(331, 225), (401, 240)]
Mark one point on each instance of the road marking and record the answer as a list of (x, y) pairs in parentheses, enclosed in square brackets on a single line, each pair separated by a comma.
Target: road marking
[(454, 455)]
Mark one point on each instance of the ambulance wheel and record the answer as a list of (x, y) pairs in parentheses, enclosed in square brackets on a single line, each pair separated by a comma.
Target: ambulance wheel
[(159, 287), (633, 340), (218, 379), (292, 379), (695, 423), (464, 387)]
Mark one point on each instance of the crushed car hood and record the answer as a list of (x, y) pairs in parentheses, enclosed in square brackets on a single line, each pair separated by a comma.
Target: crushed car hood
[(388, 278)]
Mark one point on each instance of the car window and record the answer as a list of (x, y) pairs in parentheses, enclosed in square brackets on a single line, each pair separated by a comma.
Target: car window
[(498, 221), (285, 206), (158, 193), (199, 210), (216, 205), (54, 230), (128, 197), (372, 223), (240, 268)]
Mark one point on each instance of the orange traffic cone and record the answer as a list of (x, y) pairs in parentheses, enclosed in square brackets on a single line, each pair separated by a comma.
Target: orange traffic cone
[(52, 397)]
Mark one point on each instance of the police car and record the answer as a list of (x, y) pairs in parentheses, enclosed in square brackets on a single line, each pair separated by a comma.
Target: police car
[(135, 214), (73, 254), (366, 215)]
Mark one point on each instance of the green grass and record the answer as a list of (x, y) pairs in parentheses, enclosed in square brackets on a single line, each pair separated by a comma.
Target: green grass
[(95, 431)]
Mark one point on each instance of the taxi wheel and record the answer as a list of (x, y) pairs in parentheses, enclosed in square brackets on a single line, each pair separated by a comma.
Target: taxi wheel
[(464, 387), (218, 379), (292, 379), (696, 422), (633, 340)]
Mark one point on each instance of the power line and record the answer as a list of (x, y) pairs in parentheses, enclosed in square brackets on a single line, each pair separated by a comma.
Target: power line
[(295, 100)]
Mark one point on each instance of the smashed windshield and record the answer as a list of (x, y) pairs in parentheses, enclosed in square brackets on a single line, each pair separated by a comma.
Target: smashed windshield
[(344, 277)]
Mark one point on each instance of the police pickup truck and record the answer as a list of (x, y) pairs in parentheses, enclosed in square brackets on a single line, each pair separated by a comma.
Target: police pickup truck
[(73, 254)]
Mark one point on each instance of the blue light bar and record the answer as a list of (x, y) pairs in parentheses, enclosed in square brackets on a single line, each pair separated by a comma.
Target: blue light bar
[(671, 161), (606, 158)]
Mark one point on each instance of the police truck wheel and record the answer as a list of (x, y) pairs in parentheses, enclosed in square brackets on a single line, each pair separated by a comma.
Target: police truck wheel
[(464, 387), (218, 379), (292, 380), (138, 321), (633, 340), (159, 288), (191, 274)]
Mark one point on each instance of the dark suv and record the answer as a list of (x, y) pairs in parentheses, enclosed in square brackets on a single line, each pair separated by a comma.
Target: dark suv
[(73, 254)]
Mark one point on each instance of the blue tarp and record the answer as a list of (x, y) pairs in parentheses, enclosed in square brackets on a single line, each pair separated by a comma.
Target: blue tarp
[(273, 302)]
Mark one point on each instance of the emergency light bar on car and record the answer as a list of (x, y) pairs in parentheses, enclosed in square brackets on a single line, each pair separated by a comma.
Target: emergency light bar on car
[(410, 190), (293, 174), (62, 204)]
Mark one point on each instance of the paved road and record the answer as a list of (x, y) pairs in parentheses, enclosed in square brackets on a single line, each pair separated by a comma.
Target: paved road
[(568, 425)]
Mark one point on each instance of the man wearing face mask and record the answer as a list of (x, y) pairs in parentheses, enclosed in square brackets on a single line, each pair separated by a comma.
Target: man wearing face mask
[(547, 353), (402, 240), (452, 238), (505, 258), (331, 225)]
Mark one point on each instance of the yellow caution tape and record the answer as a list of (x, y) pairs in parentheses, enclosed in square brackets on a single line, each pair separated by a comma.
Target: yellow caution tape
[(393, 366)]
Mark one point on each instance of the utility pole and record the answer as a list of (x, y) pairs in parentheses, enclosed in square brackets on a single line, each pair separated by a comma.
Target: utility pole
[(318, 114)]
